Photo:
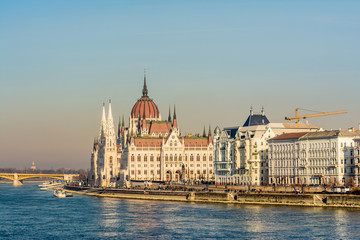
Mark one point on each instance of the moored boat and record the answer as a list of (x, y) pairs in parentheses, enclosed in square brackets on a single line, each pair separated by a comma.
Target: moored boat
[(59, 193)]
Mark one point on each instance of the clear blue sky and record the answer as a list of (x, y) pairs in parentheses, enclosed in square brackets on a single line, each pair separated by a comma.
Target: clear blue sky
[(59, 60)]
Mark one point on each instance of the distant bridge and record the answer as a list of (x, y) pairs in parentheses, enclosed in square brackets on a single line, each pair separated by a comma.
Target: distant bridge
[(17, 178)]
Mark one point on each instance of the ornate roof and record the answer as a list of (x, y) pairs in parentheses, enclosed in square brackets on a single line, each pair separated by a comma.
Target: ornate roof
[(256, 119), (145, 106)]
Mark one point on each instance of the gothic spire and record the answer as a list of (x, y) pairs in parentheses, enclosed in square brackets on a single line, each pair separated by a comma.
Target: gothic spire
[(145, 90), (204, 132), (119, 128), (110, 117), (209, 131), (122, 123), (103, 122), (103, 118), (174, 113), (174, 119), (169, 118)]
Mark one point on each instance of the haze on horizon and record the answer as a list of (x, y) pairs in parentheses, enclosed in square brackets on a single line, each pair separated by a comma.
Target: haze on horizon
[(61, 60)]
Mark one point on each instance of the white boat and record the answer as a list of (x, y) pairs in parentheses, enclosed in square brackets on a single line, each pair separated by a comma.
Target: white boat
[(43, 189), (51, 185), (60, 193)]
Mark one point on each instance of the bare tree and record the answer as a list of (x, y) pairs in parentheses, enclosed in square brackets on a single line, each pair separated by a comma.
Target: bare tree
[(349, 182)]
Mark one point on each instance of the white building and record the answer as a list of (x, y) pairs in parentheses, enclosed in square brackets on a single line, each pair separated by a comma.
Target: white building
[(241, 153), (150, 149), (316, 158), (284, 158), (357, 160), (105, 164)]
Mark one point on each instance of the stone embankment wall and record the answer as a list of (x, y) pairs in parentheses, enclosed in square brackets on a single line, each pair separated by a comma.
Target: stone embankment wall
[(322, 200)]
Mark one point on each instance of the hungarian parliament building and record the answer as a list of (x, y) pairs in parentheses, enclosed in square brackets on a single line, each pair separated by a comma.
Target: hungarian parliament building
[(149, 149)]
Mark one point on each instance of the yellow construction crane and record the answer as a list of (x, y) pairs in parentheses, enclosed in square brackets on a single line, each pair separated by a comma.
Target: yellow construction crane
[(319, 114)]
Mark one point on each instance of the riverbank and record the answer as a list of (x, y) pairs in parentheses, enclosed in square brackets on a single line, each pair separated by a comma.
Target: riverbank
[(285, 199)]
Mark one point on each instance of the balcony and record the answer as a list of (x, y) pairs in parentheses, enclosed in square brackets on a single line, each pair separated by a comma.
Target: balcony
[(223, 169), (318, 174)]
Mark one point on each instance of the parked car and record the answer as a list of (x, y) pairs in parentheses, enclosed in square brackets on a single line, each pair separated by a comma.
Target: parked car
[(296, 191)]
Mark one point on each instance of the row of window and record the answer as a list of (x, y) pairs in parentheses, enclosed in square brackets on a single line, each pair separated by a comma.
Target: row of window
[(151, 172), (170, 157)]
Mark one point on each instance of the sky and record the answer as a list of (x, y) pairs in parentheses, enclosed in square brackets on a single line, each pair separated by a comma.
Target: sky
[(60, 60)]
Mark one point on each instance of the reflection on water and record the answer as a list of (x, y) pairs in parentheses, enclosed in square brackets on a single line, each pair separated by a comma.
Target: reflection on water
[(27, 213)]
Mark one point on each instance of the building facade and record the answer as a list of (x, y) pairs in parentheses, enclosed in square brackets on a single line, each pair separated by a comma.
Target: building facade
[(315, 158), (151, 149), (357, 161), (241, 153)]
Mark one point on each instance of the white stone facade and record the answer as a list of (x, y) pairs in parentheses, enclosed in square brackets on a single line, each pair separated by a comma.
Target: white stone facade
[(318, 158), (105, 165), (245, 161), (150, 149)]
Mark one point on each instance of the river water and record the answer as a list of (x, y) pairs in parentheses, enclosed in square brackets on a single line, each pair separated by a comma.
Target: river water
[(28, 213)]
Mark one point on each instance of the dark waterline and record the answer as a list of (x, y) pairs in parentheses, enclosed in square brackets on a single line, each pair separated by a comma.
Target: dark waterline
[(28, 213)]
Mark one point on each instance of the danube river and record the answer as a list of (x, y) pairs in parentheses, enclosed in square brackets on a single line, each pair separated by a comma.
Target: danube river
[(28, 213)]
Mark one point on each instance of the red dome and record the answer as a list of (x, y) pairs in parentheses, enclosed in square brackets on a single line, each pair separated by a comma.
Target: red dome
[(145, 103)]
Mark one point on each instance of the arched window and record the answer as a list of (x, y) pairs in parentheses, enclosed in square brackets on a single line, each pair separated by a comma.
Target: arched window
[(132, 158), (151, 158), (191, 158), (166, 158), (204, 158), (158, 158), (180, 157), (139, 158), (171, 157), (210, 158), (145, 158), (198, 157)]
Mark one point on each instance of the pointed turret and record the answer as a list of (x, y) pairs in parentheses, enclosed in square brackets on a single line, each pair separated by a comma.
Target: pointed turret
[(145, 90), (119, 128), (122, 124), (169, 117), (110, 120), (209, 135), (204, 132), (174, 119), (262, 111), (103, 122), (111, 134)]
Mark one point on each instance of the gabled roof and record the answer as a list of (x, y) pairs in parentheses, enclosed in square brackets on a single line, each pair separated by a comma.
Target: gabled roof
[(289, 136), (198, 142), (148, 142), (334, 133), (159, 127), (256, 119)]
